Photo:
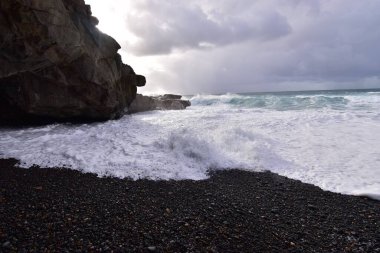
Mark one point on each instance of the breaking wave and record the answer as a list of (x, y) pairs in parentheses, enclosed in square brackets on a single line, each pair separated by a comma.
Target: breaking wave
[(283, 102), (330, 140)]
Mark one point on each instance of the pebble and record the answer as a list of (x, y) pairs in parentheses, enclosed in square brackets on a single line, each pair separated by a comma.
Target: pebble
[(312, 207), (6, 244), (152, 248)]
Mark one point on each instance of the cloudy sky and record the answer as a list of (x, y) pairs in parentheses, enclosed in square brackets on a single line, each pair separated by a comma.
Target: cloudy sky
[(217, 46)]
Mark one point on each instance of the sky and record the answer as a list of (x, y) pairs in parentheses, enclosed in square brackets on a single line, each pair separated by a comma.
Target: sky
[(219, 46)]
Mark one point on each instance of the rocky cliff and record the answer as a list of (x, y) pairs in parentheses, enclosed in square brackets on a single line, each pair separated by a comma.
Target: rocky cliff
[(56, 65)]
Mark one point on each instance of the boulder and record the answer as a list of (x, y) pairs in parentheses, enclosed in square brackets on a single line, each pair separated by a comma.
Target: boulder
[(56, 65), (164, 102)]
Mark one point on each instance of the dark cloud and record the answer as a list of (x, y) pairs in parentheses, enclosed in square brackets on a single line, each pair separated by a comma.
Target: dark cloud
[(235, 46), (163, 26)]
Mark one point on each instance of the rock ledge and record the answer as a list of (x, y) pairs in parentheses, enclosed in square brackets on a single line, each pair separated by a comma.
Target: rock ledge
[(164, 102)]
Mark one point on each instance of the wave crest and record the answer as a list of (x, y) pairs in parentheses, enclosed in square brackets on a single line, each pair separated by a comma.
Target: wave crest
[(284, 102)]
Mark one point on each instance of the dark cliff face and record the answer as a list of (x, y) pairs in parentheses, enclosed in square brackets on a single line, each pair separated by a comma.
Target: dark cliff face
[(55, 64)]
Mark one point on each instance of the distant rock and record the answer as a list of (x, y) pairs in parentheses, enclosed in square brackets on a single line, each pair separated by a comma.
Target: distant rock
[(163, 102), (170, 96), (56, 65)]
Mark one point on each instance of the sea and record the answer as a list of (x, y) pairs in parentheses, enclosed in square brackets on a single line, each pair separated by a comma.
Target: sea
[(330, 139)]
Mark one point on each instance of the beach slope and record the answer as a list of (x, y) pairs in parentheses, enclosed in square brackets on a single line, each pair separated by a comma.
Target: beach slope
[(233, 211)]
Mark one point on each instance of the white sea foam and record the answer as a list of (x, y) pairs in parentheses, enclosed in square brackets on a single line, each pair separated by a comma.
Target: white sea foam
[(335, 146)]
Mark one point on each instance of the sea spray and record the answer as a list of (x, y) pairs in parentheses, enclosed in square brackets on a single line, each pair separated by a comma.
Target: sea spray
[(329, 139)]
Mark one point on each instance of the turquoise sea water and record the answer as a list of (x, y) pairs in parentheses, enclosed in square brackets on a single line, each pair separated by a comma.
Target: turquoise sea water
[(296, 100)]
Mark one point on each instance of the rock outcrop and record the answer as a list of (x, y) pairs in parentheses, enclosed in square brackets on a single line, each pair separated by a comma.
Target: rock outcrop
[(164, 102), (56, 65)]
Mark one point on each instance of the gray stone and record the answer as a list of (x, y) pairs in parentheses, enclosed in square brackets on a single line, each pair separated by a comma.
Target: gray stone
[(6, 244), (152, 248)]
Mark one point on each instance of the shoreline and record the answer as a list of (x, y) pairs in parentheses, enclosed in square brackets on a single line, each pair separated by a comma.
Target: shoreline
[(233, 210)]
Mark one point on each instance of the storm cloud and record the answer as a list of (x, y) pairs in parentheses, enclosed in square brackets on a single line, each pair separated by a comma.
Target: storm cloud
[(212, 46), (164, 26)]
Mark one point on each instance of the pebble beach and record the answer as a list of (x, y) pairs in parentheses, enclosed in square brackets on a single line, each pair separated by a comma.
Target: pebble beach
[(60, 210)]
